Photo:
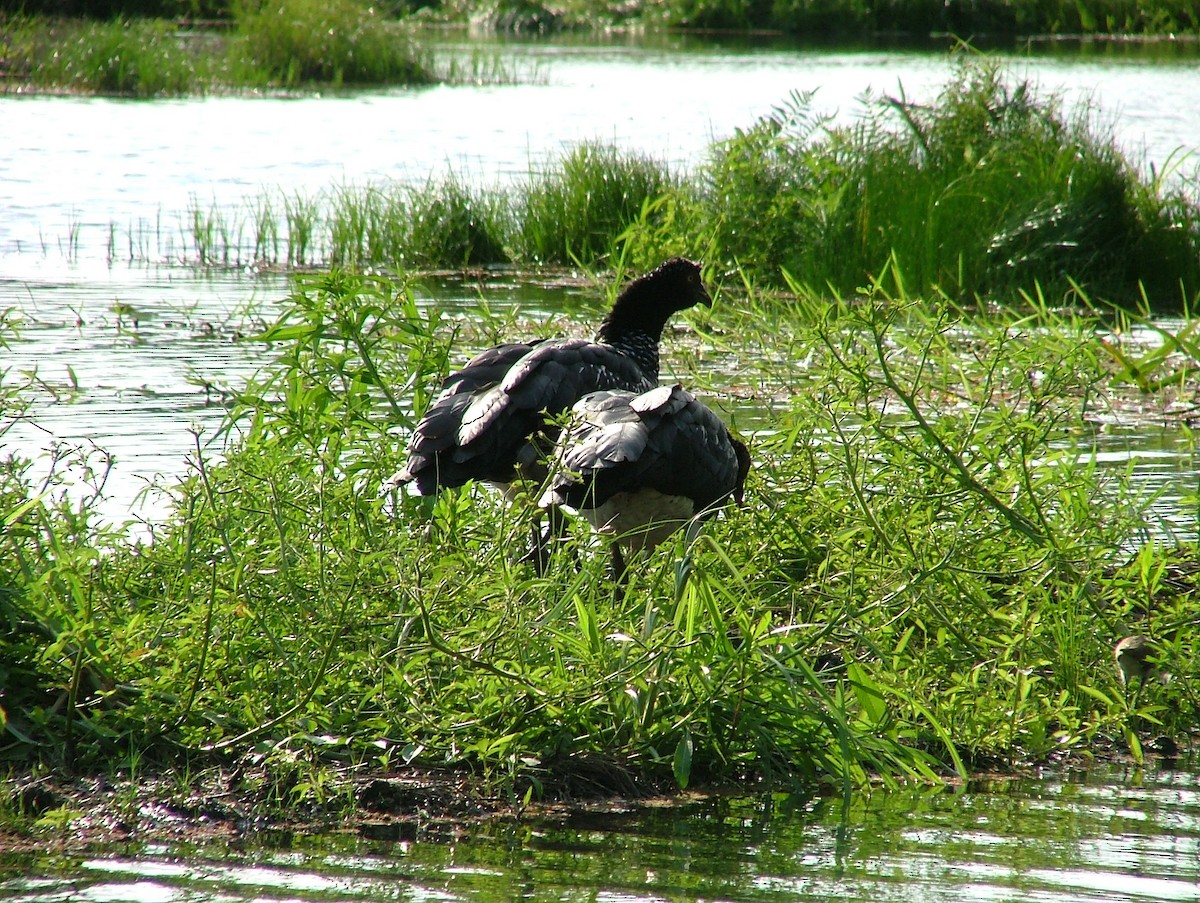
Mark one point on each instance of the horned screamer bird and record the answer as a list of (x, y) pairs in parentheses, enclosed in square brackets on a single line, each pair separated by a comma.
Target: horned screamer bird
[(489, 421), (639, 467)]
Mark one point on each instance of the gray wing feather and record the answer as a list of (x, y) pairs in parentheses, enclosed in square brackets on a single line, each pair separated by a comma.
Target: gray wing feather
[(663, 439)]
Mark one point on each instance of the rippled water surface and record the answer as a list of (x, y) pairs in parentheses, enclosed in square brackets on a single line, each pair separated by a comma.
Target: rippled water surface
[(91, 162), (75, 172), (1110, 835)]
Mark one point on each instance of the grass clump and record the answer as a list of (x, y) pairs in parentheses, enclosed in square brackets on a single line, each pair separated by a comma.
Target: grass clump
[(131, 57), (286, 44), (578, 206), (290, 43), (442, 223), (597, 202), (947, 542), (989, 191), (930, 573), (452, 222)]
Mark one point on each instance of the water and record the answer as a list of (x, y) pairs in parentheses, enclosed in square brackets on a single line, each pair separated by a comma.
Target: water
[(74, 172), (131, 362), (82, 164), (1108, 834)]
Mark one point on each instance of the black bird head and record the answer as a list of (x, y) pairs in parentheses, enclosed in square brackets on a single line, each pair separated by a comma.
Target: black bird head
[(647, 303)]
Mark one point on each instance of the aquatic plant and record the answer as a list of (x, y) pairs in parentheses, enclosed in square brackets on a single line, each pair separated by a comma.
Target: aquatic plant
[(577, 206), (989, 191), (137, 57), (339, 42), (930, 573), (453, 223), (443, 223), (297, 44), (302, 215)]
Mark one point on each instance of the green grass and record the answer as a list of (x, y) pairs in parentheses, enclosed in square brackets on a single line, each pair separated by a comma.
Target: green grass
[(576, 207), (139, 57), (808, 18), (928, 576), (296, 44), (989, 191), (335, 42)]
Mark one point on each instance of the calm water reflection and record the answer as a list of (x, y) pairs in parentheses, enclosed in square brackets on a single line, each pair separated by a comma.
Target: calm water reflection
[(1108, 835)]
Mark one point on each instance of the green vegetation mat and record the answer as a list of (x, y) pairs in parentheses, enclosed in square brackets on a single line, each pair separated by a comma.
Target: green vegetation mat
[(929, 574)]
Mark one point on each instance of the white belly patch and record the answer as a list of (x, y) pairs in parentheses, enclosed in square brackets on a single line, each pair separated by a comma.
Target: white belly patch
[(640, 520)]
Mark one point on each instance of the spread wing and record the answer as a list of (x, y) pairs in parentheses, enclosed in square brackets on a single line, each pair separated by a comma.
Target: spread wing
[(483, 420), (437, 431), (550, 379)]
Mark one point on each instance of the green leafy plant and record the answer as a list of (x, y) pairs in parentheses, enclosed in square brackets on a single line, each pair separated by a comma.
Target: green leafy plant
[(579, 206), (928, 576), (344, 42)]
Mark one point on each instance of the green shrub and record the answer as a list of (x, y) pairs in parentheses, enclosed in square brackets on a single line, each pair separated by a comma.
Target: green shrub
[(987, 192), (341, 42)]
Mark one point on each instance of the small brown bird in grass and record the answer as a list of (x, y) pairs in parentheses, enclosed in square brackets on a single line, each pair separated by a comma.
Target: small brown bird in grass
[(1134, 656)]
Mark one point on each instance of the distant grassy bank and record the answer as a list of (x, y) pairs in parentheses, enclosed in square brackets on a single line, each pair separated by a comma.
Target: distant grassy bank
[(340, 43), (825, 18), (161, 47), (992, 192)]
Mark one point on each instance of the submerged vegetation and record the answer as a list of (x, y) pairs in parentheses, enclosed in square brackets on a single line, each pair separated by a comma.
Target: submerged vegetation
[(990, 192), (929, 574)]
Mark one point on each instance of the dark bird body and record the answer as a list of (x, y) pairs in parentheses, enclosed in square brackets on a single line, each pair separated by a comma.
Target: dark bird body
[(431, 461), (638, 467), (486, 421)]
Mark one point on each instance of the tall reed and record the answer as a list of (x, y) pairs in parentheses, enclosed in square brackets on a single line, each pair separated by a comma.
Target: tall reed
[(338, 42), (578, 206)]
